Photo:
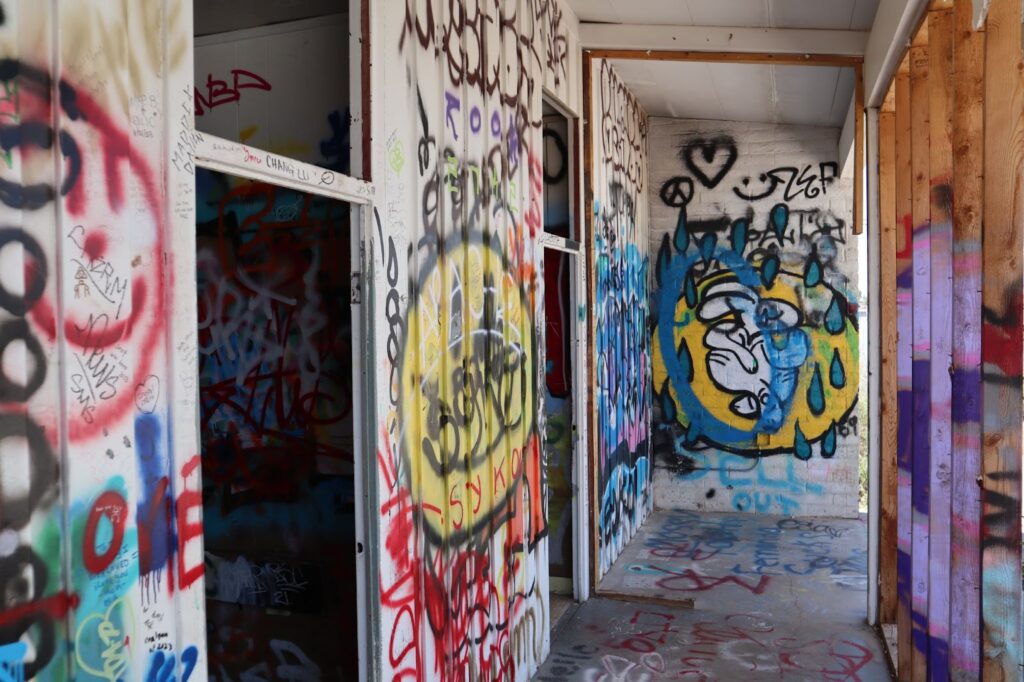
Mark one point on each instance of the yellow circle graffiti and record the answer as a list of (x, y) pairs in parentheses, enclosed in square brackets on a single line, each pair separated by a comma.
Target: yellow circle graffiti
[(468, 386), (759, 370)]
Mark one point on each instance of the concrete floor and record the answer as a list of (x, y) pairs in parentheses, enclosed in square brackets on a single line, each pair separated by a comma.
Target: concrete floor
[(773, 599)]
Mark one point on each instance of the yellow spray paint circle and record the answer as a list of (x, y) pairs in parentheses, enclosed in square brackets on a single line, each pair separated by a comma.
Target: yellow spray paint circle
[(468, 391)]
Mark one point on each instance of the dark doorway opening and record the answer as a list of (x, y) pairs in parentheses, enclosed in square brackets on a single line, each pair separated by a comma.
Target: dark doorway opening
[(559, 434), (276, 378)]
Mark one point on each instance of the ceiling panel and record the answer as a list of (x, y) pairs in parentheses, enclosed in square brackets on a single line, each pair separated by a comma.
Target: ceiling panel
[(803, 95), (750, 13), (864, 15), (811, 14), (844, 93), (745, 90), (667, 88), (832, 14), (596, 10), (673, 12)]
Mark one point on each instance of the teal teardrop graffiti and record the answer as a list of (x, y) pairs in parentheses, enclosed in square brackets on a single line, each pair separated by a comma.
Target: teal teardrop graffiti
[(685, 360), (691, 290), (816, 393), (739, 236), (779, 219), (769, 270), (801, 448), (812, 273), (828, 442), (682, 235), (834, 321), (707, 247), (836, 372)]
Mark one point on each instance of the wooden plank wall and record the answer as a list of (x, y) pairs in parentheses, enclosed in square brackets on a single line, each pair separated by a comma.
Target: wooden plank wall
[(887, 408), (940, 160), (904, 373), (952, 277), (920, 135), (968, 148), (1002, 273)]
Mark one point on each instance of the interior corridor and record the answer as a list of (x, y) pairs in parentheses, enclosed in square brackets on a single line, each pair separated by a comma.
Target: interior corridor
[(727, 596)]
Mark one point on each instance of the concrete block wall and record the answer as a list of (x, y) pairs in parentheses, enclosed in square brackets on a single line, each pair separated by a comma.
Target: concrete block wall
[(755, 342)]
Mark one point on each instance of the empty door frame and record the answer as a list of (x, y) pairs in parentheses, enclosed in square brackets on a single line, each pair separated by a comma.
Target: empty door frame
[(224, 156), (582, 554), (580, 497)]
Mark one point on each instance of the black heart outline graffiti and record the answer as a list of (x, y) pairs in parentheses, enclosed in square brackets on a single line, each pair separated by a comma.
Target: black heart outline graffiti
[(710, 150)]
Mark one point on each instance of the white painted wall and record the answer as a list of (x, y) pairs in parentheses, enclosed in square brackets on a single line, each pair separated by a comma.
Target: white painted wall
[(282, 88), (708, 471)]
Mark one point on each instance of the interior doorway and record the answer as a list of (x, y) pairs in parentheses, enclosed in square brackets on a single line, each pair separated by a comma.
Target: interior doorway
[(565, 470), (280, 219), (276, 422)]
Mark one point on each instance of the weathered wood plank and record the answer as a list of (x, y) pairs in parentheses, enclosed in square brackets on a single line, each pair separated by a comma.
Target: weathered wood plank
[(1003, 270), (888, 411), (940, 154), (904, 373), (968, 168), (921, 350)]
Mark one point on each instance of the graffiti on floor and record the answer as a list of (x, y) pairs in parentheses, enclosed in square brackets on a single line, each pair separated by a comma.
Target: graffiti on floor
[(751, 642), (650, 644), (693, 552)]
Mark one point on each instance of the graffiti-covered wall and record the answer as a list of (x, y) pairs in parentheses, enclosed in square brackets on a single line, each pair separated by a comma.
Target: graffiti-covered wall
[(101, 565), (755, 342), (457, 293), (622, 358)]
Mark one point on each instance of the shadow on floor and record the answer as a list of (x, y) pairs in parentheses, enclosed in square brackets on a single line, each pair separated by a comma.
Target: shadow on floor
[(772, 599)]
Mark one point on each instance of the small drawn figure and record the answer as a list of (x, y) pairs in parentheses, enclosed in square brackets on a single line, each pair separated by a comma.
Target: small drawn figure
[(81, 286)]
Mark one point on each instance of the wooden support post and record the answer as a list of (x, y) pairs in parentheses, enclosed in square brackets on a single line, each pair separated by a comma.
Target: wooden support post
[(921, 336), (904, 381), (1002, 283), (887, 408), (968, 187), (940, 154)]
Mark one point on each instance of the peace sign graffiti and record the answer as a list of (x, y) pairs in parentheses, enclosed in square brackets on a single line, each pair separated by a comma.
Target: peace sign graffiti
[(677, 191)]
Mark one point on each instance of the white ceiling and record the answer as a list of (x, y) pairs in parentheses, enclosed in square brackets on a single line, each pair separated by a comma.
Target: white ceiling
[(797, 95), (804, 95), (855, 15)]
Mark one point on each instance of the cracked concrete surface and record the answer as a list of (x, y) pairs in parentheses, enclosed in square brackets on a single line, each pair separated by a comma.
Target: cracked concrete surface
[(773, 599)]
